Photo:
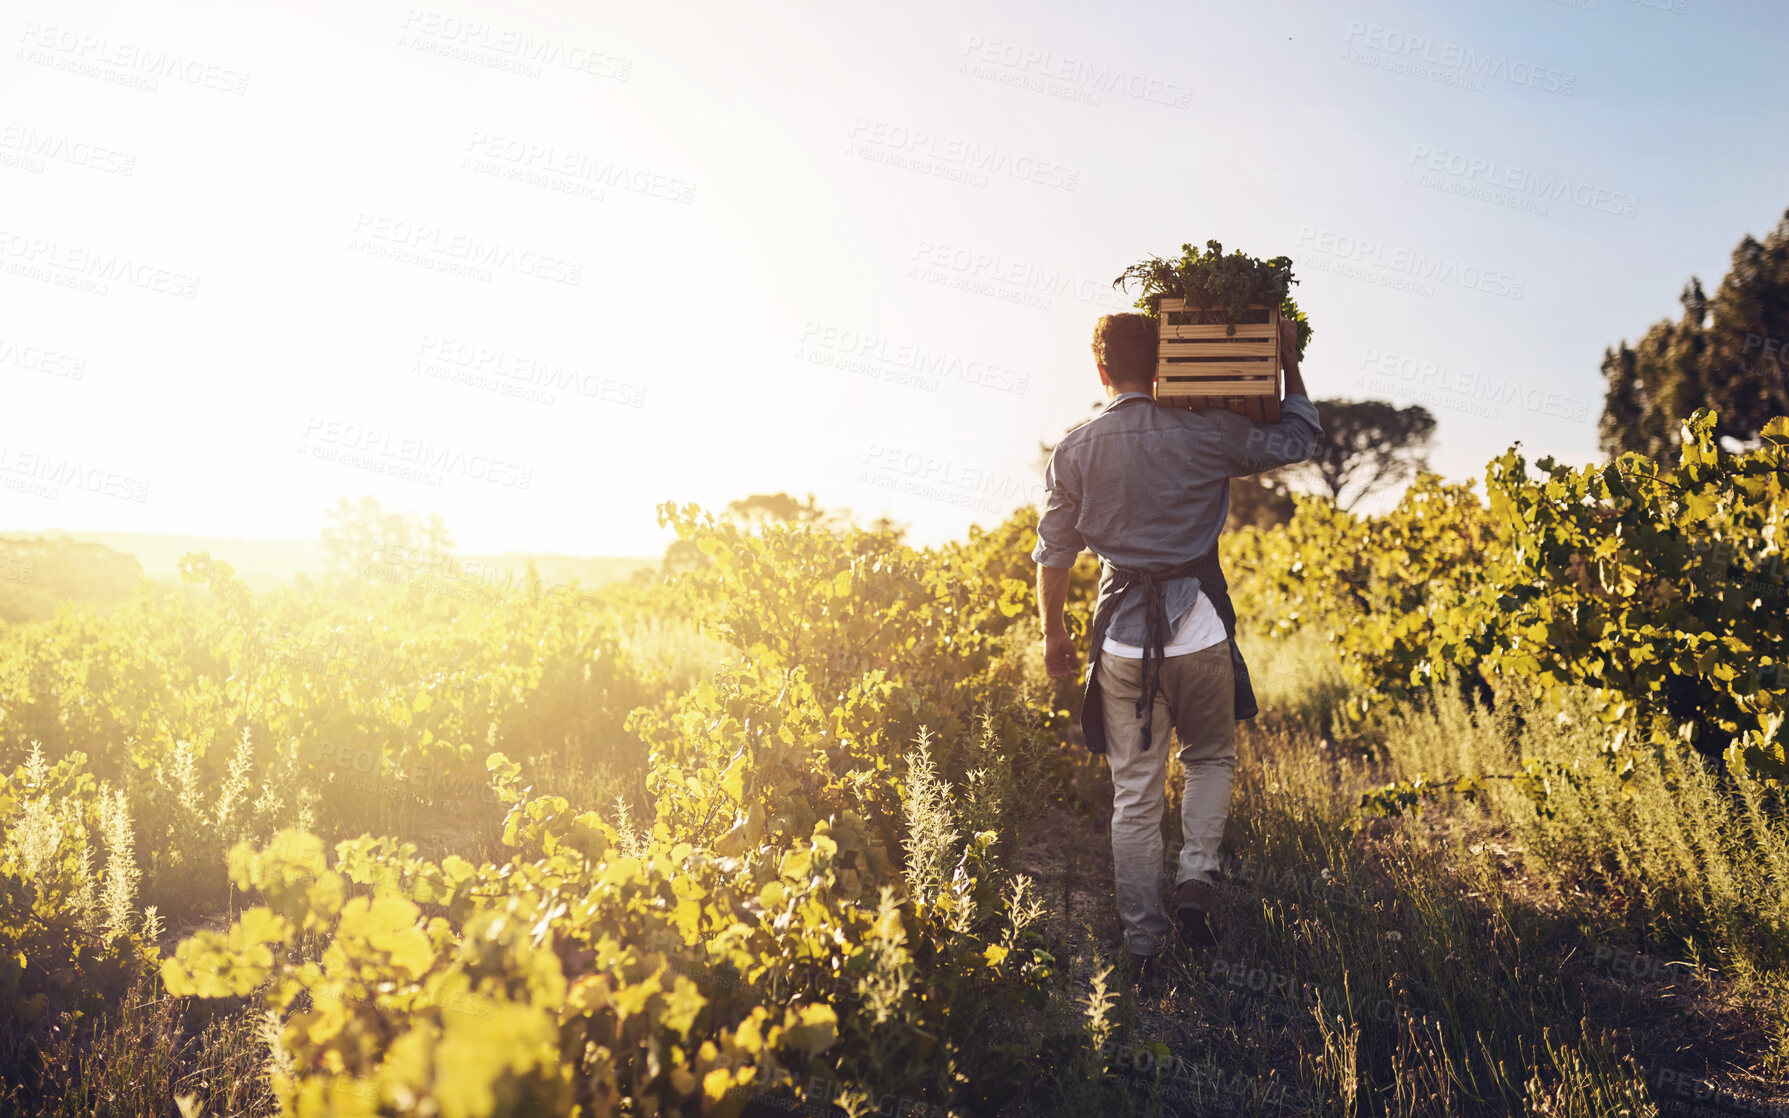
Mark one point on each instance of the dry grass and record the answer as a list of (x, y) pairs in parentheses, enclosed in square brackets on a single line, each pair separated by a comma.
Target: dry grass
[(1473, 959)]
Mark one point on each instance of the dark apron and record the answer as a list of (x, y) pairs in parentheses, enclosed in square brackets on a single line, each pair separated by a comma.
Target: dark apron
[(1212, 585), (1155, 612)]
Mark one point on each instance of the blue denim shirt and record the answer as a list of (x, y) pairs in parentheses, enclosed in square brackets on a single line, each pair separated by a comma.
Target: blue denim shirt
[(1147, 488)]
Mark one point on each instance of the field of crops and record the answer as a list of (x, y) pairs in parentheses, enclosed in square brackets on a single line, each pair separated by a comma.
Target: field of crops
[(805, 827)]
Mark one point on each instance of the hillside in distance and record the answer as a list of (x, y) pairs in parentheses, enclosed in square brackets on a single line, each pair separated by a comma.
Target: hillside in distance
[(264, 563)]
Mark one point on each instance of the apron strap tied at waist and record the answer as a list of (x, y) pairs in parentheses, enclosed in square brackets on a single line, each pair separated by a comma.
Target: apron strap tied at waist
[(1155, 627)]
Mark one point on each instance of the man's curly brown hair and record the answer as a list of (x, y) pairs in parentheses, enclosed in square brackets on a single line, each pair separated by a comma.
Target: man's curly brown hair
[(1125, 345)]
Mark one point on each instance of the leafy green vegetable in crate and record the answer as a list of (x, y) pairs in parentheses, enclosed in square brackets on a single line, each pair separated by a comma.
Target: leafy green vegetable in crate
[(1213, 281)]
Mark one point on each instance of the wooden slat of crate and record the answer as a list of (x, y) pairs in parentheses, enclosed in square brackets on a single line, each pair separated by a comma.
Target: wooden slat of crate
[(1186, 372), (1229, 370), (1207, 331), (1204, 386), (1220, 347), (1245, 367), (1261, 350), (1217, 370)]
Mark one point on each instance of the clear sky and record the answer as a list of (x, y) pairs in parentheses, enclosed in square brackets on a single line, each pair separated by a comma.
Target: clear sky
[(540, 266)]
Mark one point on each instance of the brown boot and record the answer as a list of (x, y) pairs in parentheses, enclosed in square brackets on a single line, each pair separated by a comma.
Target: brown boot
[(1192, 900)]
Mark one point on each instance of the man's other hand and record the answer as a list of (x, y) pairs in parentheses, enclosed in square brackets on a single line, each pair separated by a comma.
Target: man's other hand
[(1289, 358), (1059, 654), (1289, 342)]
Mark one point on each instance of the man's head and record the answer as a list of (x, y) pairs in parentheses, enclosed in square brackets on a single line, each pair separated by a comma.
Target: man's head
[(1124, 350)]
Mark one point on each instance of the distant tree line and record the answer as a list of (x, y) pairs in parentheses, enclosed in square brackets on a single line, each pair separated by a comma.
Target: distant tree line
[(37, 573), (1725, 351)]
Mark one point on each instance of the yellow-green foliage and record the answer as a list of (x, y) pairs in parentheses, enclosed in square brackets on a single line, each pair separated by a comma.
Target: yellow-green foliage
[(1663, 590), (758, 915), (564, 975)]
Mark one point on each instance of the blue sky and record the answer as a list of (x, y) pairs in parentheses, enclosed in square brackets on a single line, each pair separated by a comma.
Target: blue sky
[(539, 267)]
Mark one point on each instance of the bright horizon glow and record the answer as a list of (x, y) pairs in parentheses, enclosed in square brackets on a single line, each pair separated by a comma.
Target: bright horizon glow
[(761, 228)]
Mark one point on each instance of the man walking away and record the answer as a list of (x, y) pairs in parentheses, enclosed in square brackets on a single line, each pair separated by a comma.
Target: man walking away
[(1147, 489)]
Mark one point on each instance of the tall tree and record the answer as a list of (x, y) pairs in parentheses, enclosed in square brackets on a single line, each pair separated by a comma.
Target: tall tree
[(1725, 351), (1748, 333), (1367, 446)]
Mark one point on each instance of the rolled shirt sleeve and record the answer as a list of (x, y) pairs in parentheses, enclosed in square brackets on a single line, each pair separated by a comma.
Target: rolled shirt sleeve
[(1254, 448), (1059, 542)]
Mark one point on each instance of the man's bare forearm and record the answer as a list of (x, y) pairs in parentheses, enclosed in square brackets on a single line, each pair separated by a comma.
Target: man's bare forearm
[(1294, 379), (1052, 596)]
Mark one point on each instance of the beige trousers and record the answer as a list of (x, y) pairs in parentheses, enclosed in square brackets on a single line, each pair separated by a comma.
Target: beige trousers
[(1198, 700)]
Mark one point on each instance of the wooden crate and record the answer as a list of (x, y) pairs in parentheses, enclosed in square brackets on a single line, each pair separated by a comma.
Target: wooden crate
[(1199, 364)]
